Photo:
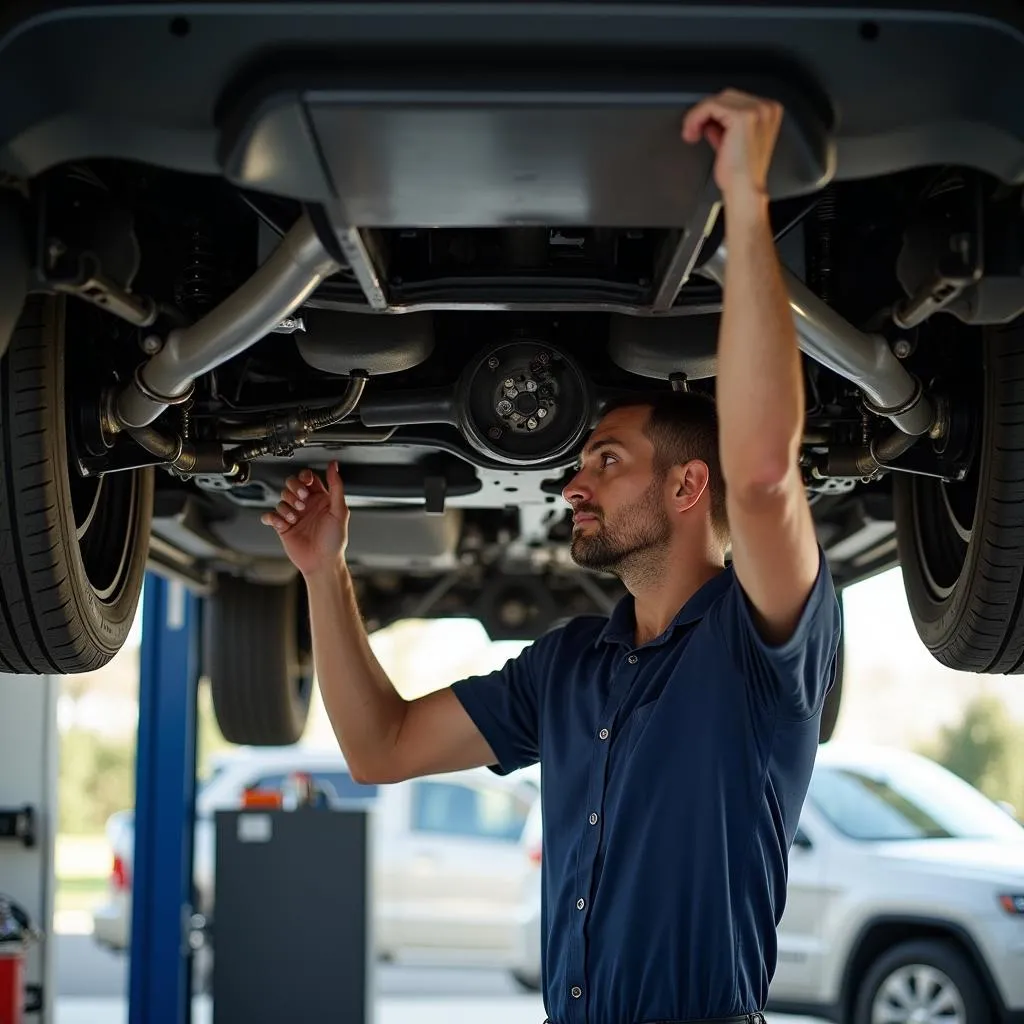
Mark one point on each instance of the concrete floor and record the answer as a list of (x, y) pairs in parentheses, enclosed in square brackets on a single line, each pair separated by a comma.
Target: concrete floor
[(92, 987)]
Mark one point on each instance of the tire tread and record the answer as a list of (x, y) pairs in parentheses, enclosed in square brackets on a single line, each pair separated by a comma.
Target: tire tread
[(42, 626), (959, 632)]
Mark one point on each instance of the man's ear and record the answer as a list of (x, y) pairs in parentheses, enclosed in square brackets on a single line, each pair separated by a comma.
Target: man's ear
[(688, 482)]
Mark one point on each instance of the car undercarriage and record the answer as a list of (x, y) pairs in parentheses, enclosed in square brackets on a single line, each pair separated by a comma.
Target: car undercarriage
[(432, 242)]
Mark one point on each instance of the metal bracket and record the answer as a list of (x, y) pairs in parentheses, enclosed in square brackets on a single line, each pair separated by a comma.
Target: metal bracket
[(19, 824), (88, 282), (86, 247), (942, 255)]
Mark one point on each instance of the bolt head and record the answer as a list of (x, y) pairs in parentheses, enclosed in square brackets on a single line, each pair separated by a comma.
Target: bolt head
[(494, 433), (541, 413), (492, 363), (151, 344), (531, 385), (901, 348), (531, 424), (509, 382), (504, 408)]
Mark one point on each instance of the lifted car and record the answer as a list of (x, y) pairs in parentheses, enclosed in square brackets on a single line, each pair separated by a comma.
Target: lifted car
[(431, 241)]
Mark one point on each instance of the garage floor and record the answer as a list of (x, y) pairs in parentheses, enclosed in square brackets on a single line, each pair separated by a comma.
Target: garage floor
[(92, 982), (390, 1010)]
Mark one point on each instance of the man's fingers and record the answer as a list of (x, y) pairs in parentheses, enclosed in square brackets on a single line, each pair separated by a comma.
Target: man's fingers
[(271, 519), (303, 485), (287, 513), (292, 500), (726, 108)]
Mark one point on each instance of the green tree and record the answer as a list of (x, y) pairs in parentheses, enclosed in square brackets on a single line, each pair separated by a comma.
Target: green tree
[(986, 749), (97, 778), (97, 772)]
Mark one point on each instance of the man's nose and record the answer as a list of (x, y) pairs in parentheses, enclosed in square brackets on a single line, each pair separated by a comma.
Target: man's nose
[(576, 490)]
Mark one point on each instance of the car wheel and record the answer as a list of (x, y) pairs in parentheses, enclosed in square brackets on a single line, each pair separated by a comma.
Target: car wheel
[(527, 982), (922, 982), (960, 543), (72, 548), (259, 661)]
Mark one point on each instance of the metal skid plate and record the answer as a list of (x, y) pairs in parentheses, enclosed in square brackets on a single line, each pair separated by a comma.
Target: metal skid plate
[(463, 147)]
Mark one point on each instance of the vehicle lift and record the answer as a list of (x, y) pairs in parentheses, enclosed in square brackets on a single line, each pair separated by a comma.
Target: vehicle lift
[(306, 853), (160, 982)]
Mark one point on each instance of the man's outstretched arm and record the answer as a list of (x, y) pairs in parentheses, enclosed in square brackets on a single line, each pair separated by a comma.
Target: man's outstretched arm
[(759, 387), (384, 737)]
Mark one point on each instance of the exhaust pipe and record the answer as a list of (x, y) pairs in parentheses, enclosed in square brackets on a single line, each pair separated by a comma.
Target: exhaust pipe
[(864, 359), (275, 290)]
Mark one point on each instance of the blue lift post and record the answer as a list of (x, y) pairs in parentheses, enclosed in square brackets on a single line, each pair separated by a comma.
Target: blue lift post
[(160, 971)]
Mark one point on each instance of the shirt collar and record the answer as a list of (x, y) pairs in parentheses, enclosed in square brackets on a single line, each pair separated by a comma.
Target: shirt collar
[(621, 625)]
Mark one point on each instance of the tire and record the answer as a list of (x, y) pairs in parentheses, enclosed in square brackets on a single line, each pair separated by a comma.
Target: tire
[(943, 962), (961, 545), (259, 661), (72, 549)]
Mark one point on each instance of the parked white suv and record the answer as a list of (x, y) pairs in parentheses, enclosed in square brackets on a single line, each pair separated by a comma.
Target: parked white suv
[(906, 897), (905, 902), (449, 876)]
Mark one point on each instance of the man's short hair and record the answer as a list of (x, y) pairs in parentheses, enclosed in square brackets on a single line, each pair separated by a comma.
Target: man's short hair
[(683, 425)]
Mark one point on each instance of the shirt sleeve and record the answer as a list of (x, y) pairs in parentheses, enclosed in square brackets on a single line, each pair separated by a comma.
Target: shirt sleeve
[(505, 706), (797, 674)]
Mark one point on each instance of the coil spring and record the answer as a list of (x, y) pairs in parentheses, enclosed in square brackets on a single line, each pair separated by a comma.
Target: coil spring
[(825, 216), (197, 286)]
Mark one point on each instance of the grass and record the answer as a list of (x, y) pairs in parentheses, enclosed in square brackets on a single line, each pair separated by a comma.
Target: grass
[(79, 893)]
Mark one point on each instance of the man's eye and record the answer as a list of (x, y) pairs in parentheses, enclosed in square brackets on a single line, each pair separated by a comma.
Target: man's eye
[(605, 458)]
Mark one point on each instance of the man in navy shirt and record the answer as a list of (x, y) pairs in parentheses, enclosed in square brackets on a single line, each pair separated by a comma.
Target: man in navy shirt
[(676, 738)]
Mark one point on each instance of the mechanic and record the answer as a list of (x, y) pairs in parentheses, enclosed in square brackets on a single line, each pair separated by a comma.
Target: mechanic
[(676, 738)]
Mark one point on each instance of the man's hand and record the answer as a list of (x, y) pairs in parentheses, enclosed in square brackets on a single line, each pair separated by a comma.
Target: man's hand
[(742, 130), (312, 520)]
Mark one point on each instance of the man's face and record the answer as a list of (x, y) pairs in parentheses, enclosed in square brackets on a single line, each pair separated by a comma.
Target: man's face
[(620, 515)]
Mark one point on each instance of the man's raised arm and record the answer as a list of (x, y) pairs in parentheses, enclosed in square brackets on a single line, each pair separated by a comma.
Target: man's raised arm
[(759, 386)]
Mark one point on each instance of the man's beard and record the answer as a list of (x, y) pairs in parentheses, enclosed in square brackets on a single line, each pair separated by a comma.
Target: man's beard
[(632, 547)]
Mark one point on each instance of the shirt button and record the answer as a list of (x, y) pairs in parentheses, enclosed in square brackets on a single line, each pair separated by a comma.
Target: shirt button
[(632, 659), (603, 734), (576, 991), (581, 903), (593, 817)]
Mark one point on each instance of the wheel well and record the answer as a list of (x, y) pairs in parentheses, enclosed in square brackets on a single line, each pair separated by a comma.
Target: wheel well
[(881, 935)]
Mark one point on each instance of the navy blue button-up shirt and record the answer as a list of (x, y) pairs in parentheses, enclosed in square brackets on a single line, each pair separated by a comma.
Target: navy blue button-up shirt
[(673, 775)]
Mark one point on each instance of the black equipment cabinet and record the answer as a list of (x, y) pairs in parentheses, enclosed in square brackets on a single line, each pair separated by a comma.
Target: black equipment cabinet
[(292, 919)]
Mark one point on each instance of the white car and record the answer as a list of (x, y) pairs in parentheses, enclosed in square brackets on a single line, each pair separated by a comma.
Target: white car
[(449, 876), (905, 901)]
